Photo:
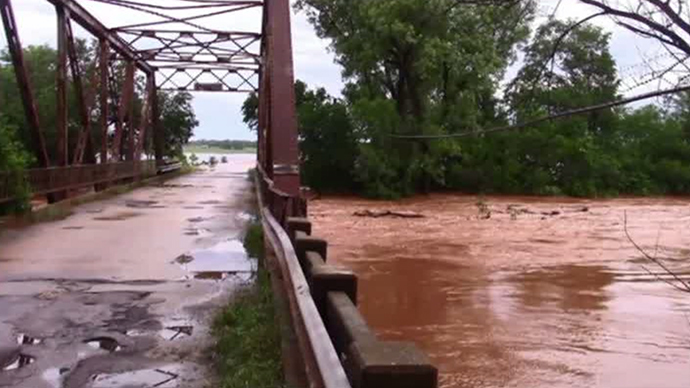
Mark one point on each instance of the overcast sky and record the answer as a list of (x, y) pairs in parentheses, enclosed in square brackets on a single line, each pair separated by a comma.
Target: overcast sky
[(219, 113)]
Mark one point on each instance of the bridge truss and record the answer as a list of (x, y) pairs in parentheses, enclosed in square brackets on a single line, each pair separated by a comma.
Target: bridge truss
[(174, 45)]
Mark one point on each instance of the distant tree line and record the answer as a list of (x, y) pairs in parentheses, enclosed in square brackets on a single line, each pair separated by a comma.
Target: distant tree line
[(233, 145), (436, 68)]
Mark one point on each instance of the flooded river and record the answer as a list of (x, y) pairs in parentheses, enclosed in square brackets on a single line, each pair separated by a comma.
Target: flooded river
[(523, 292)]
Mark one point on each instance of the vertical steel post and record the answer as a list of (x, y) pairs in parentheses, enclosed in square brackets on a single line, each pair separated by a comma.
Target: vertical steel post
[(30, 110), (282, 126), (85, 133), (61, 87), (125, 101), (158, 131), (131, 128), (105, 107)]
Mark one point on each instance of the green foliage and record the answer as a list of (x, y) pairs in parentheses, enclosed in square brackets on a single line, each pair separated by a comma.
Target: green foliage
[(433, 68), (177, 115), (13, 163), (248, 347), (178, 119)]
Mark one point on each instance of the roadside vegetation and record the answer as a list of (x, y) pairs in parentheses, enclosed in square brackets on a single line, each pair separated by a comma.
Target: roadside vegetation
[(248, 347), (437, 68)]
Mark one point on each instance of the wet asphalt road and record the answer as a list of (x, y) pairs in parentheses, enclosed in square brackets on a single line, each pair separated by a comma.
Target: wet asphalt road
[(121, 293)]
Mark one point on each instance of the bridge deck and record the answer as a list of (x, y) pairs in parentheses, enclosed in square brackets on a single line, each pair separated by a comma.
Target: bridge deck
[(143, 269)]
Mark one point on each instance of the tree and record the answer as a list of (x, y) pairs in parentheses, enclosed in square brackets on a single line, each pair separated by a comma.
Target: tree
[(436, 63), (327, 140), (13, 162), (178, 120)]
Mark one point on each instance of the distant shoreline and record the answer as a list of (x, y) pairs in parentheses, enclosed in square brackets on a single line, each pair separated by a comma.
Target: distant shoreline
[(193, 149)]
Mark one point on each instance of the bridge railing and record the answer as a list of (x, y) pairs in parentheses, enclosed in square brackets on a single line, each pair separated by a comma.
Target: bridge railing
[(55, 179), (337, 346)]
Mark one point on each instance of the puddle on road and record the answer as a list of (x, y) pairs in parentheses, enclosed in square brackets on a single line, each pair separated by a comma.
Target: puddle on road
[(197, 232), (219, 262), (214, 202), (161, 377), (21, 361), (24, 339), (122, 216), (196, 220), (142, 204), (105, 343)]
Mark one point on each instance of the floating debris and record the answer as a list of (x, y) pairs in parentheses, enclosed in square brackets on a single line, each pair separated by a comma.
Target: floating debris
[(104, 343)]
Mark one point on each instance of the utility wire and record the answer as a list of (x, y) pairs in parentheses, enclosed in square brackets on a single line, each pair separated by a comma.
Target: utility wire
[(568, 113)]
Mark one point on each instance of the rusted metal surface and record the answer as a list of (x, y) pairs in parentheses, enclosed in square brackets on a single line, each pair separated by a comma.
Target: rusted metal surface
[(80, 15), (79, 93), (282, 123), (56, 179), (62, 151), (124, 111), (104, 52), (25, 91), (321, 362)]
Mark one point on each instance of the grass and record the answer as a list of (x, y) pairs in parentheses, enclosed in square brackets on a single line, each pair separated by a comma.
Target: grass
[(248, 348), (194, 149)]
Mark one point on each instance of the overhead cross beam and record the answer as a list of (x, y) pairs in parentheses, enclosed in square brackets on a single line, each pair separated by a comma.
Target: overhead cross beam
[(80, 15)]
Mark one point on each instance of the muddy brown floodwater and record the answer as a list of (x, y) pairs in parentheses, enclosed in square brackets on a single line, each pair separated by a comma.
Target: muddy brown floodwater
[(545, 292)]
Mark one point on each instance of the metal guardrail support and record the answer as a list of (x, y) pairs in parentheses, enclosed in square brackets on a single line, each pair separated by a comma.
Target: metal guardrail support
[(339, 348)]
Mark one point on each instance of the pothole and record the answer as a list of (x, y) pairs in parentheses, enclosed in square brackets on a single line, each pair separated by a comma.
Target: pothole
[(197, 232), (140, 204), (21, 361), (73, 228), (24, 339), (184, 259), (213, 202), (213, 275), (163, 377), (196, 220), (104, 343), (172, 333), (122, 216)]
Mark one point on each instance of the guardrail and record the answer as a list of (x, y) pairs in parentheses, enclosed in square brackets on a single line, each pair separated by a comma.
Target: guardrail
[(57, 179), (338, 348)]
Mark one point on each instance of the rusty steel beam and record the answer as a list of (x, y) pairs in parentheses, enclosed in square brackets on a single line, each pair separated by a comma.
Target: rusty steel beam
[(282, 123), (145, 117), (62, 153), (104, 53), (80, 15), (79, 93), (131, 128), (24, 84), (123, 112), (158, 134)]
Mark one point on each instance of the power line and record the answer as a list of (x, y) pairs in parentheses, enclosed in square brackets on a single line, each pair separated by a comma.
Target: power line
[(573, 112)]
